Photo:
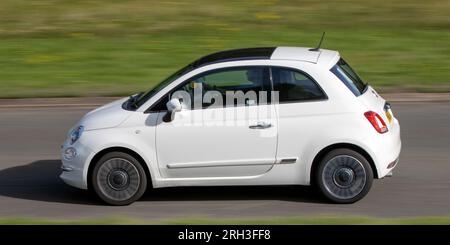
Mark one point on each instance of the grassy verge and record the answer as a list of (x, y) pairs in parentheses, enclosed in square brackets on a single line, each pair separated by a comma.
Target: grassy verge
[(53, 48), (210, 221)]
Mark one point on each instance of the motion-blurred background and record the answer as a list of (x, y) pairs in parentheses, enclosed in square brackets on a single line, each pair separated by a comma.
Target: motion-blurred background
[(113, 47)]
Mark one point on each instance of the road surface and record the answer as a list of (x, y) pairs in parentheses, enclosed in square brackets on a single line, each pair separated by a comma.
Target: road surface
[(30, 187)]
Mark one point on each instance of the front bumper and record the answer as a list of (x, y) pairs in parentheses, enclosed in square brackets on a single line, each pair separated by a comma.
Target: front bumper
[(74, 170)]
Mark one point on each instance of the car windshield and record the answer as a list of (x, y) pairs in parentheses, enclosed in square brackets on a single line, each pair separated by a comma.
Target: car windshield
[(146, 96), (349, 77)]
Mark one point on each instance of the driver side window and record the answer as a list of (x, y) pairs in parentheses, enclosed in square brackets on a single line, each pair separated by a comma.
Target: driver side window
[(225, 87)]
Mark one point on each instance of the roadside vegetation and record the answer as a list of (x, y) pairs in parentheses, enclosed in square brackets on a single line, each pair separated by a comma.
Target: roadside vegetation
[(52, 48)]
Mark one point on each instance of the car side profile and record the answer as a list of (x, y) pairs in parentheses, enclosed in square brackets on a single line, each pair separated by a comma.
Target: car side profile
[(255, 116)]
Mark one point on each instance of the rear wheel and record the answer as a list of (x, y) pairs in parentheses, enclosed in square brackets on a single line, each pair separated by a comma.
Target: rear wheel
[(344, 176), (119, 179)]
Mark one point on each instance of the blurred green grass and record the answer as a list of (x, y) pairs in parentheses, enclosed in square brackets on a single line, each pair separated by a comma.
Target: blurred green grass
[(320, 220), (52, 48)]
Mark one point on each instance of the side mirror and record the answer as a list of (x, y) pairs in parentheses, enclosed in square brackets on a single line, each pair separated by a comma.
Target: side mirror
[(173, 106)]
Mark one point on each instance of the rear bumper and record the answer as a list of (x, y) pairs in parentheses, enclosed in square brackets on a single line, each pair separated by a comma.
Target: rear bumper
[(387, 149)]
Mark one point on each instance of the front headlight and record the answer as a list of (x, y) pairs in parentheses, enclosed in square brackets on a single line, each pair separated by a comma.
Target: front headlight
[(76, 134)]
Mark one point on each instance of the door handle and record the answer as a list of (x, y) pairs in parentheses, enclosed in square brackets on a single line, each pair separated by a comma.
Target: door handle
[(261, 125)]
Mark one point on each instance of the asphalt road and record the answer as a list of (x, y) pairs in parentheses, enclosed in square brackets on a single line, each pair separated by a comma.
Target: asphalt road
[(30, 187)]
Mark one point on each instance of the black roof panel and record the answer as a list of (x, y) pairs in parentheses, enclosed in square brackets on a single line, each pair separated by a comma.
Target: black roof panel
[(235, 54)]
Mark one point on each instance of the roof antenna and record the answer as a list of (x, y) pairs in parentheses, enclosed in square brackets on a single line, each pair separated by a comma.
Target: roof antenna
[(320, 43)]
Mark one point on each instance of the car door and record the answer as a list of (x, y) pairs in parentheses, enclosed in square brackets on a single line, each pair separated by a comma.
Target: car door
[(303, 115), (236, 137)]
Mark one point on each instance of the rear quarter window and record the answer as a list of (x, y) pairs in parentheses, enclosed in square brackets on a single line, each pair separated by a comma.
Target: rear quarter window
[(295, 86)]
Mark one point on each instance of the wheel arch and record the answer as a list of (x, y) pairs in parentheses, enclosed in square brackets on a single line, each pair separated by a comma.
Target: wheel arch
[(329, 148), (105, 151)]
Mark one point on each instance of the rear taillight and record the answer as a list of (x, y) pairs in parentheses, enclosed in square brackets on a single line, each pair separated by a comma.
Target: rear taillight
[(376, 121)]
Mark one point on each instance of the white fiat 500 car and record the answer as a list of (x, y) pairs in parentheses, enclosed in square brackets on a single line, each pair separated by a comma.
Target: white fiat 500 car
[(256, 116)]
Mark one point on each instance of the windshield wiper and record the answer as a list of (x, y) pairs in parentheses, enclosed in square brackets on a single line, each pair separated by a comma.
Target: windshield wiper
[(366, 86), (134, 99)]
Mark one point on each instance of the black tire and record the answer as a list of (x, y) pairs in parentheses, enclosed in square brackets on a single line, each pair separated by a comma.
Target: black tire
[(344, 176), (119, 179)]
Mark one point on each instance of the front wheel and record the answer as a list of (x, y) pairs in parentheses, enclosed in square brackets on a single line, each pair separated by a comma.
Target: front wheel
[(344, 176), (119, 179)]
